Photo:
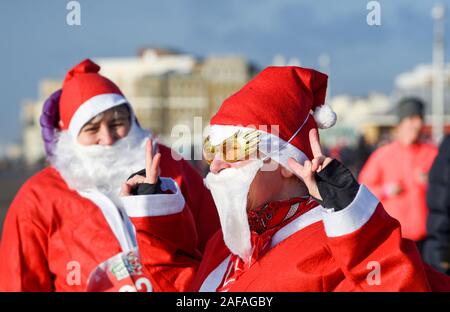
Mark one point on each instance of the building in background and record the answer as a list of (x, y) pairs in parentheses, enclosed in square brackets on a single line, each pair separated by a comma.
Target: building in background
[(165, 88), (370, 116), (419, 82), (373, 116), (168, 89), (32, 145)]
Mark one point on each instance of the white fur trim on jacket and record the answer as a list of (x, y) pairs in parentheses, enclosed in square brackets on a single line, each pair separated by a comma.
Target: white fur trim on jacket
[(298, 224), (156, 204), (214, 278), (313, 216), (120, 226), (351, 218)]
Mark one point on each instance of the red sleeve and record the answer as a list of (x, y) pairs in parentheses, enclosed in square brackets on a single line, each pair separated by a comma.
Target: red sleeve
[(439, 282), (23, 248), (367, 245), (198, 198), (166, 236), (167, 249), (371, 175)]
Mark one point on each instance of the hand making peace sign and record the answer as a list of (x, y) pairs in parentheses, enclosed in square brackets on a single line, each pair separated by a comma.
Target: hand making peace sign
[(151, 171), (310, 167)]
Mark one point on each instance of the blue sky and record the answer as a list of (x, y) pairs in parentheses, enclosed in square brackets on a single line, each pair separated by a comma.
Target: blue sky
[(36, 42)]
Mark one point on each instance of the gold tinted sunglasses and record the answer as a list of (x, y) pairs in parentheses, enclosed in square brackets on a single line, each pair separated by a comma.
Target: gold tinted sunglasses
[(237, 147)]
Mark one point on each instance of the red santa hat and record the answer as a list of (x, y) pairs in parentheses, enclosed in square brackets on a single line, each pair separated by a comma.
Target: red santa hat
[(278, 102), (85, 94)]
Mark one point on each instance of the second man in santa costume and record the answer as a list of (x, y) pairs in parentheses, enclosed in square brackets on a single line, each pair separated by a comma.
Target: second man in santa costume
[(66, 229), (292, 219)]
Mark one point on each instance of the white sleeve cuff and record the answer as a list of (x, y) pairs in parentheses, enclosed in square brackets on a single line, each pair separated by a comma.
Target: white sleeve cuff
[(156, 204), (351, 218)]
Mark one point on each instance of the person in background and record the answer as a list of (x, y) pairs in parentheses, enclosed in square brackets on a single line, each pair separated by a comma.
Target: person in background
[(436, 250), (397, 173), (363, 151), (66, 229)]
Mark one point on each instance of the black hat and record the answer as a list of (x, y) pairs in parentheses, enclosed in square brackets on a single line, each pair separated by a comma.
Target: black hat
[(411, 106)]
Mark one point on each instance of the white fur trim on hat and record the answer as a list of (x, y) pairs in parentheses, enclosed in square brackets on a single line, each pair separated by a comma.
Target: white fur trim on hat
[(91, 108), (324, 116)]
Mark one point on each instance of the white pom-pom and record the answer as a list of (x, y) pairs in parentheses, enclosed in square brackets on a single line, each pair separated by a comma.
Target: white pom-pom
[(325, 116)]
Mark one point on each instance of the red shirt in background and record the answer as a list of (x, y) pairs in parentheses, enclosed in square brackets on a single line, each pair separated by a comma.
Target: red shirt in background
[(406, 166)]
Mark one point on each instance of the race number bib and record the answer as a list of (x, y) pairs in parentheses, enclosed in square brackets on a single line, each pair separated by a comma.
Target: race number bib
[(120, 273)]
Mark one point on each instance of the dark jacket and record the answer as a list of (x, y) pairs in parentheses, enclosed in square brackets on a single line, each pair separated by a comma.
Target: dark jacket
[(437, 245)]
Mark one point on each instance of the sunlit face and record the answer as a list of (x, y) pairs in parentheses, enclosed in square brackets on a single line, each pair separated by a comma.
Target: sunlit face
[(409, 129), (106, 128)]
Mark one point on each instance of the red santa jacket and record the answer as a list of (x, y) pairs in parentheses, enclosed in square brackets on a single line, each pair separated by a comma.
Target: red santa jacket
[(408, 167), (359, 248), (54, 237)]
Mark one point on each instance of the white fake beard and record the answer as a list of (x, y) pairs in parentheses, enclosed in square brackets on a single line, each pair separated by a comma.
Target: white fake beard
[(100, 168), (229, 189)]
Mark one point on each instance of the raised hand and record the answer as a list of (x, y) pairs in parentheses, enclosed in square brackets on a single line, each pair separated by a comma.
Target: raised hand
[(308, 170), (151, 171)]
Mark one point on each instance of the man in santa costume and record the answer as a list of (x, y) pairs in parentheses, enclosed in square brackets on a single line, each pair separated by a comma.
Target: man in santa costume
[(66, 229), (292, 219)]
